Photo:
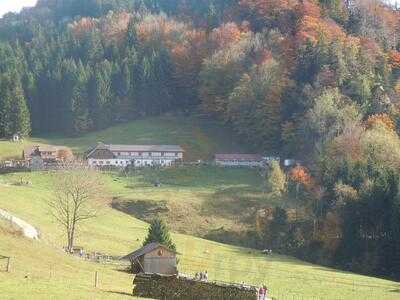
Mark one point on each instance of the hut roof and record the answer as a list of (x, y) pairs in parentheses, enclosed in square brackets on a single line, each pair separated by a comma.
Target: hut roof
[(146, 249)]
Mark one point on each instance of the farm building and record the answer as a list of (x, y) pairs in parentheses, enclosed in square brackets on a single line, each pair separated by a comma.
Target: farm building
[(239, 160), (134, 155), (39, 157), (153, 258)]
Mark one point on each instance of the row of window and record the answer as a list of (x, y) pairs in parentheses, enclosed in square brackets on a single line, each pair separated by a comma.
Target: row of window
[(122, 162), (148, 153)]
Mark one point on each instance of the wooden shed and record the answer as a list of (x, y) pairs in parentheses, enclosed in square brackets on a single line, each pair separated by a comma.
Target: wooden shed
[(153, 258)]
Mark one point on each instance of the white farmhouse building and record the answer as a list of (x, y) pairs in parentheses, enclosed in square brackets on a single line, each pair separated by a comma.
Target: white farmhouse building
[(134, 155), (242, 160)]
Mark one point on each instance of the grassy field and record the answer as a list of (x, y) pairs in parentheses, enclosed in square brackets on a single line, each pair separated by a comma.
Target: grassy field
[(205, 201), (200, 138), (115, 232), (39, 271)]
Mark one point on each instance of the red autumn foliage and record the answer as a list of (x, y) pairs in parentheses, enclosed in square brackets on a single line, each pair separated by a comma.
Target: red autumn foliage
[(299, 174), (226, 34), (82, 26), (394, 57), (187, 57), (312, 26)]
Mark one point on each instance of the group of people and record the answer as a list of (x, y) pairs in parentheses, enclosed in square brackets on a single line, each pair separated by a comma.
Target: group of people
[(202, 276), (263, 293)]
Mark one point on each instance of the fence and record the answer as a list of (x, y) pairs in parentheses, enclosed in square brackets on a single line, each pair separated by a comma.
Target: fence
[(6, 264)]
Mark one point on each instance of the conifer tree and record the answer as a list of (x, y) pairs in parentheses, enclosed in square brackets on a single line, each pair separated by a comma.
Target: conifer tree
[(14, 113), (159, 233)]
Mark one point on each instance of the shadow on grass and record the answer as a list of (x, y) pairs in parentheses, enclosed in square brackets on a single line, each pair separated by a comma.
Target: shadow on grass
[(141, 209), (239, 203), (119, 293)]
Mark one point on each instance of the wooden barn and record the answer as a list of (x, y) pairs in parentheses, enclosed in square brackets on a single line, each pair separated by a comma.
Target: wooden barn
[(153, 258)]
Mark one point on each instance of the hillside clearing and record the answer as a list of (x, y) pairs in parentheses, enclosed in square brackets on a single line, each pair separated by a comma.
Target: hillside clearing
[(117, 233), (200, 138)]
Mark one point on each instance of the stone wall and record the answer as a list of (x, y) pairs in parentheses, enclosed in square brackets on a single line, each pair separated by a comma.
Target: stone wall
[(176, 287)]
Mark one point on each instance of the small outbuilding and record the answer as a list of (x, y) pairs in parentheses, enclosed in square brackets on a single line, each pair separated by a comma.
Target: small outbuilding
[(153, 258), (239, 160)]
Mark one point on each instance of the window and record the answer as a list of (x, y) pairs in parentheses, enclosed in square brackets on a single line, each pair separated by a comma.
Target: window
[(162, 153)]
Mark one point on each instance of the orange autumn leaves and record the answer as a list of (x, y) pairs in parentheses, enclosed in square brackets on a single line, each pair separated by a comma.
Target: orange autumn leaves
[(312, 26), (300, 174), (382, 119), (394, 57)]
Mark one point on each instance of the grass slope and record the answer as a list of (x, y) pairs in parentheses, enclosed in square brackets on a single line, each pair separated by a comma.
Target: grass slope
[(38, 271), (200, 138), (218, 203), (115, 232)]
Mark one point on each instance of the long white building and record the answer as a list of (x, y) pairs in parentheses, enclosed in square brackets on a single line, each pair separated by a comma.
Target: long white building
[(134, 155)]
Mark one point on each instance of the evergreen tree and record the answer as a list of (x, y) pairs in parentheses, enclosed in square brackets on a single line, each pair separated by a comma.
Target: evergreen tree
[(159, 233), (14, 113)]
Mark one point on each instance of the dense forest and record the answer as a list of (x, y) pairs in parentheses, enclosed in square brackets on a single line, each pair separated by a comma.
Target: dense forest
[(315, 80)]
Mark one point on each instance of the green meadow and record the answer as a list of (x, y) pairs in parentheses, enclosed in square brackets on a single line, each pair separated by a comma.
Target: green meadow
[(115, 232)]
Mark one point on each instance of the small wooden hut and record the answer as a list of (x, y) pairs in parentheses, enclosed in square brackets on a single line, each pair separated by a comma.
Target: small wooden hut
[(153, 258)]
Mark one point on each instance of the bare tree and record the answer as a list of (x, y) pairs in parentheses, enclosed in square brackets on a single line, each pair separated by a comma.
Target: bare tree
[(78, 193)]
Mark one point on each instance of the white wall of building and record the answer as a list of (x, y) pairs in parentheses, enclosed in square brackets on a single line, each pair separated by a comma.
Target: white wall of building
[(143, 161), (238, 163)]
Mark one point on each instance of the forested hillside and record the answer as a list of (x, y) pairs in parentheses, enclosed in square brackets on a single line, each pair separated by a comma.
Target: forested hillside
[(314, 80)]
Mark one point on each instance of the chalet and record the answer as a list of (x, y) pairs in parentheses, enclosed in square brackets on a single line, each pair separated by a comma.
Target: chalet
[(239, 160), (39, 157), (153, 258), (134, 155)]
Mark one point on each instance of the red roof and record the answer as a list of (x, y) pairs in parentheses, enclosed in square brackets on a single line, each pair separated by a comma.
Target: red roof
[(242, 157)]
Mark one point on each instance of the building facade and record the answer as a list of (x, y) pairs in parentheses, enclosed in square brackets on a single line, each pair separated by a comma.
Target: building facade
[(239, 160), (153, 258), (43, 156), (134, 155)]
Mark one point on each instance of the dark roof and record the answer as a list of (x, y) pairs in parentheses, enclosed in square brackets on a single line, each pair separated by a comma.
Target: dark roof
[(135, 148), (242, 157), (145, 148), (146, 249)]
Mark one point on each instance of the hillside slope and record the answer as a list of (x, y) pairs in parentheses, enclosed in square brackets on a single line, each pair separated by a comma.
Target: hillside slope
[(200, 138), (38, 271), (116, 233)]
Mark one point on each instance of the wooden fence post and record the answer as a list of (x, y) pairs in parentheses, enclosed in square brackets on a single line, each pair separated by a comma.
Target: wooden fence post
[(8, 264), (96, 279)]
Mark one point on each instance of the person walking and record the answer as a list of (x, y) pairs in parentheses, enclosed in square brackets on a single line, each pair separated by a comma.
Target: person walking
[(261, 293)]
